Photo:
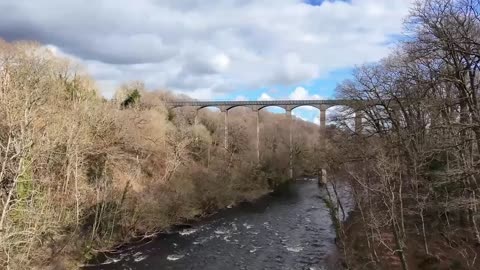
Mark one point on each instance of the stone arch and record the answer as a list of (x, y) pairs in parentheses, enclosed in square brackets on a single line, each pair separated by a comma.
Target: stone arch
[(309, 107), (293, 107), (208, 106), (351, 115), (261, 107), (240, 105)]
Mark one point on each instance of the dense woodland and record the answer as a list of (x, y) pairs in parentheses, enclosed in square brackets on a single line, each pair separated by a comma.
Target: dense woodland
[(415, 169), (79, 173)]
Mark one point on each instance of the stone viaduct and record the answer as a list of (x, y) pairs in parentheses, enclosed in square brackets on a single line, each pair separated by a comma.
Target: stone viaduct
[(287, 105)]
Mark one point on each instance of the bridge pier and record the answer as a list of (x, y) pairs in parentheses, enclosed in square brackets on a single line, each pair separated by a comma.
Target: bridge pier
[(323, 125), (224, 110), (195, 124), (290, 142), (258, 136), (358, 122), (195, 120)]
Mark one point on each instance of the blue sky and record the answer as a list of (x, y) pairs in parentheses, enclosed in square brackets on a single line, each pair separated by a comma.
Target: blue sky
[(323, 87), (314, 2), (224, 49), (319, 2)]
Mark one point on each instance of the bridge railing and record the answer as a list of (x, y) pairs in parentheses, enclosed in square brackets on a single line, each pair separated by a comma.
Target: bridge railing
[(259, 102)]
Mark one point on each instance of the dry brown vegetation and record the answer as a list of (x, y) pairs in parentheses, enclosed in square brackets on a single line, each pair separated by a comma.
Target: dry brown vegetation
[(79, 173), (415, 170)]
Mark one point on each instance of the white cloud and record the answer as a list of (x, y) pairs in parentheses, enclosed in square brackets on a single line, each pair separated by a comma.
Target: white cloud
[(265, 96), (301, 93), (299, 116), (200, 94), (221, 62), (208, 48), (240, 98)]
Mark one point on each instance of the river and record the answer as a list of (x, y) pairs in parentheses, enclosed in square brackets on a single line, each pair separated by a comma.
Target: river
[(287, 229)]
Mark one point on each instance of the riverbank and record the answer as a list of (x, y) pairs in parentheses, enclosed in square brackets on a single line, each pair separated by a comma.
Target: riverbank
[(447, 250), (185, 227), (367, 246), (185, 223), (289, 228), (83, 257)]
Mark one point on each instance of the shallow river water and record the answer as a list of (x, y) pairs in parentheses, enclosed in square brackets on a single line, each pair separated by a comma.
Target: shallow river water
[(288, 229)]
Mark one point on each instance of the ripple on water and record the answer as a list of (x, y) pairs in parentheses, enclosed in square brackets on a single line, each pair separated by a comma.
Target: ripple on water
[(115, 260), (203, 240), (294, 249), (188, 231), (220, 231), (140, 258), (112, 260), (247, 226), (175, 257)]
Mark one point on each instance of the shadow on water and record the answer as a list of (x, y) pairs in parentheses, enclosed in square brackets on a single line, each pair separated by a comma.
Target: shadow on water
[(287, 229)]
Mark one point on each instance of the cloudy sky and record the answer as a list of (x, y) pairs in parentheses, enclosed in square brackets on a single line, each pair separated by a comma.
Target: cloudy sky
[(223, 49)]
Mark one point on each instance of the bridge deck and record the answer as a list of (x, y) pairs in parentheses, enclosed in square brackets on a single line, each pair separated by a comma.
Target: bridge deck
[(260, 102), (286, 104)]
